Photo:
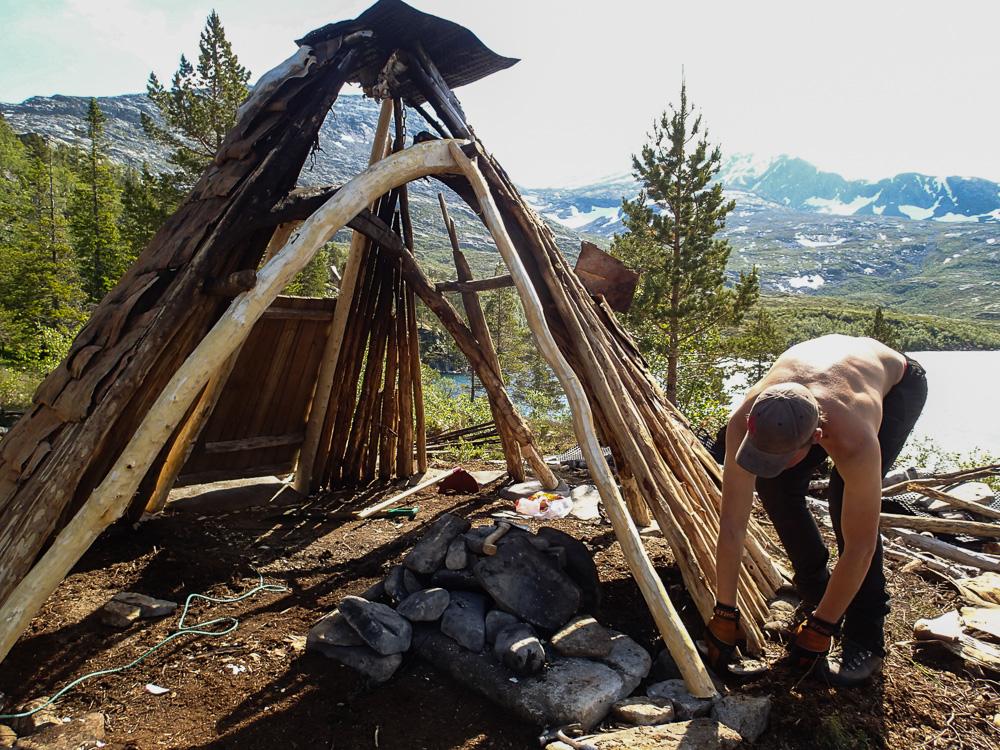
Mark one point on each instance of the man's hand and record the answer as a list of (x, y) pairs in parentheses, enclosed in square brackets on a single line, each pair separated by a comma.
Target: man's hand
[(724, 635), (813, 638)]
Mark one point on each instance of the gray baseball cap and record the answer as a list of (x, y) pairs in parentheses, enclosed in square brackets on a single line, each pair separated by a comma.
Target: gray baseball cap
[(781, 422)]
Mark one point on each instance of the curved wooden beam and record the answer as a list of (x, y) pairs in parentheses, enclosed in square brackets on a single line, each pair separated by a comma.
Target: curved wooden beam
[(110, 499), (668, 622)]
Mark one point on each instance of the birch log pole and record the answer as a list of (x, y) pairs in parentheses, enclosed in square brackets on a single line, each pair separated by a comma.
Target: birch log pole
[(675, 636), (112, 495)]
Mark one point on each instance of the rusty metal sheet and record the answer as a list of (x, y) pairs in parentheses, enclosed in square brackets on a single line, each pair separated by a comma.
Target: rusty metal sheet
[(607, 276)]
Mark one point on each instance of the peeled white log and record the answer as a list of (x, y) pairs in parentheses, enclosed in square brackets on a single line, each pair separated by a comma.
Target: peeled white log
[(110, 499), (675, 636), (945, 550)]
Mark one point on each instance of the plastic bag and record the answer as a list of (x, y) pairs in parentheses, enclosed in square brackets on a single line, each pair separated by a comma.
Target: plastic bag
[(544, 505)]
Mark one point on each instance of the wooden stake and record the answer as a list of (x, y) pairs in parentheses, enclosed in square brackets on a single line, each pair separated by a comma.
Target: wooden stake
[(477, 322)]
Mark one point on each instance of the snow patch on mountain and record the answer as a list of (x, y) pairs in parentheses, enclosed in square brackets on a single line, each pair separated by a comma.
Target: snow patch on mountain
[(819, 240), (838, 207)]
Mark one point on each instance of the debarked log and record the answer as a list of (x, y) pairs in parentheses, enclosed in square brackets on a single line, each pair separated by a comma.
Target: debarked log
[(667, 620)]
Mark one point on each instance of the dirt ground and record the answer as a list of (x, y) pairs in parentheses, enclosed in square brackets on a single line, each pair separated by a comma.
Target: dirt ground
[(257, 688)]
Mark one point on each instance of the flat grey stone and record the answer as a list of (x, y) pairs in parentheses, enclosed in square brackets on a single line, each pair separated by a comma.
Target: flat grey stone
[(457, 556), (379, 625), (518, 648), (586, 503), (464, 620), (148, 606), (456, 580), (424, 606), (583, 636), (630, 660), (685, 704), (644, 712), (524, 582), (119, 614), (579, 566), (746, 714), (565, 692), (428, 554), (394, 586), (371, 664), (332, 630), (497, 620), (699, 734), (85, 732)]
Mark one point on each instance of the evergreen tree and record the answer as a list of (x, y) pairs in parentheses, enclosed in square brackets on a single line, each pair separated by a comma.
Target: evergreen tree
[(758, 343), (95, 211), (882, 330), (200, 106), (41, 303), (671, 239)]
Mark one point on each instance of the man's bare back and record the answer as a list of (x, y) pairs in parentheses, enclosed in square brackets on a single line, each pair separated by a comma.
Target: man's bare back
[(849, 376)]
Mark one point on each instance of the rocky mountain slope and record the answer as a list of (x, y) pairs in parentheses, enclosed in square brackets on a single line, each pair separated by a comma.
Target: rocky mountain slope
[(918, 243)]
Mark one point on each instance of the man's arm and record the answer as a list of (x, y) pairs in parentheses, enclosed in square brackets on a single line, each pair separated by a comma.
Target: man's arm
[(737, 500), (861, 469)]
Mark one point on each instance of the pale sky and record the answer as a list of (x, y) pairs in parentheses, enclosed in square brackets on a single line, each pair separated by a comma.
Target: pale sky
[(866, 89)]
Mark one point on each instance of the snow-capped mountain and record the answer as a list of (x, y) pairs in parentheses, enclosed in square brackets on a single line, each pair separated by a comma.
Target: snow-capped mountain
[(920, 243), (791, 183)]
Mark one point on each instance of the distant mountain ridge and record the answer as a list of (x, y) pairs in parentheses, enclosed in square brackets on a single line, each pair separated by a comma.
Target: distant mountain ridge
[(792, 183), (918, 243)]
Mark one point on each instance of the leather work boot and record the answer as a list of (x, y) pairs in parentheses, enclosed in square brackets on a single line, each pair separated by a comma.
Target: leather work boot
[(856, 665)]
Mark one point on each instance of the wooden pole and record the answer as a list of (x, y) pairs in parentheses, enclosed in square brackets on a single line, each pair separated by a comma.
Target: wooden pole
[(477, 322), (668, 622), (309, 455)]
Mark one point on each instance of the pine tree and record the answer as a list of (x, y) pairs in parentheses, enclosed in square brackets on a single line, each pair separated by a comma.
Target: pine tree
[(200, 106), (882, 330), (758, 343), (41, 302), (95, 211), (671, 239)]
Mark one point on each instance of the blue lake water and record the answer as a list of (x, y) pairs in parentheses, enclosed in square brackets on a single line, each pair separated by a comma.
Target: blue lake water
[(963, 400)]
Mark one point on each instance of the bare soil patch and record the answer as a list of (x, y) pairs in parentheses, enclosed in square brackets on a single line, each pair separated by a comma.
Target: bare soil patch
[(256, 688)]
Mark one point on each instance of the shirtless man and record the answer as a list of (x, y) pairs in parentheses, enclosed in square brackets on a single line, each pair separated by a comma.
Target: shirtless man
[(854, 400)]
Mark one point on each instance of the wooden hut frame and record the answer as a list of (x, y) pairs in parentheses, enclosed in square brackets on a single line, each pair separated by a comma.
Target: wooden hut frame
[(109, 424)]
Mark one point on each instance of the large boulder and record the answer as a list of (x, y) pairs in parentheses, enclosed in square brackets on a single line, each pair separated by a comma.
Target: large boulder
[(746, 714), (519, 649), (332, 630), (583, 636), (373, 665)]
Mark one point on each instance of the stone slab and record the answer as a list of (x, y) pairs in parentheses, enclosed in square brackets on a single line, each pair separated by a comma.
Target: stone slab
[(428, 554), (379, 625), (148, 605), (698, 734), (565, 692)]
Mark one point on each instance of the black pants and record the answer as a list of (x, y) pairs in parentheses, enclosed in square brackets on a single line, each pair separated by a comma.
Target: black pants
[(784, 499)]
